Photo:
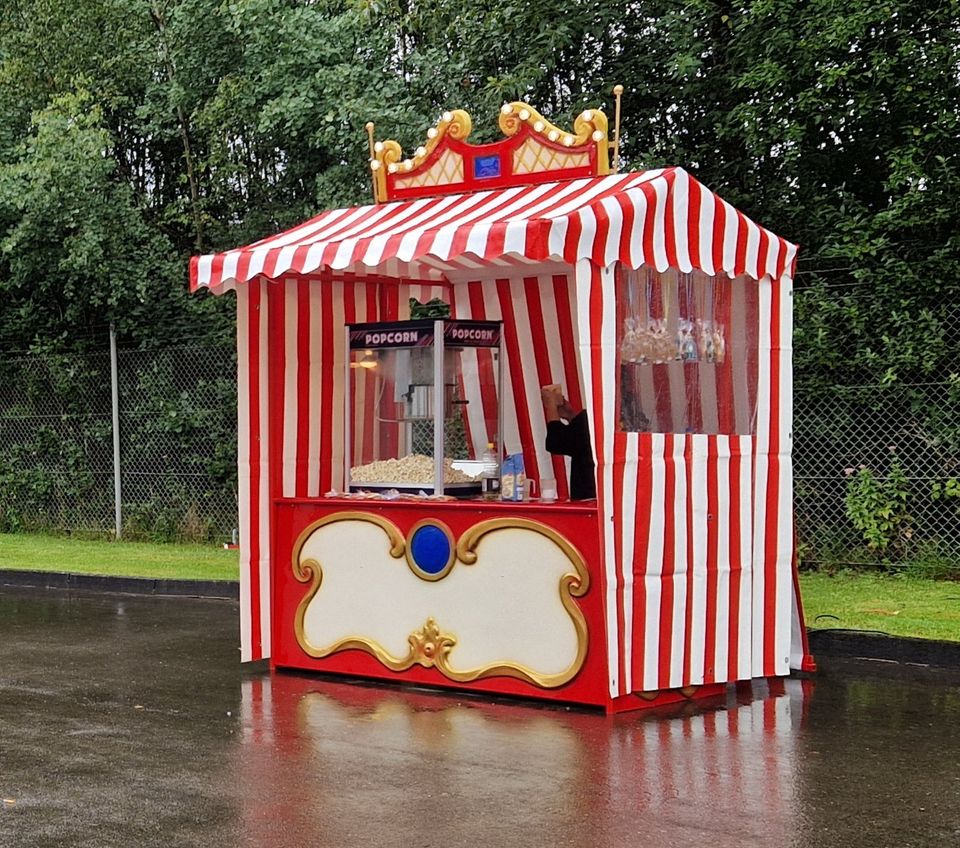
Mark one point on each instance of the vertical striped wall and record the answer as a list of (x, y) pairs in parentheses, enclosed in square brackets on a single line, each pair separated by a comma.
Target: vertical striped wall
[(253, 492), (696, 530)]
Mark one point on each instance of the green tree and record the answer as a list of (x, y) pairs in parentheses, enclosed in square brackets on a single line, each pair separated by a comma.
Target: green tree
[(75, 252)]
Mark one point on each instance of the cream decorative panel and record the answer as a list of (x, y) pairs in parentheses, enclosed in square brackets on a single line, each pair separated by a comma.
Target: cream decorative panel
[(446, 170), (532, 157), (503, 605)]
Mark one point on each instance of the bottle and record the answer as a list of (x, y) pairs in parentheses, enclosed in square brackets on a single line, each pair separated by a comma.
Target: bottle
[(490, 476)]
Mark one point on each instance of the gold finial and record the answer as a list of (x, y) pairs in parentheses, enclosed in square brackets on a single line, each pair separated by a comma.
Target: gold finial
[(373, 174), (617, 92)]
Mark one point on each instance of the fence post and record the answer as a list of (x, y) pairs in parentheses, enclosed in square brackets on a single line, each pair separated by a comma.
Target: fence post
[(115, 408)]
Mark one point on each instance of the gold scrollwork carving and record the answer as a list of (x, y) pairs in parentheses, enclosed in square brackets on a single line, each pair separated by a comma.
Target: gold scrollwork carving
[(430, 646), (388, 155), (589, 127)]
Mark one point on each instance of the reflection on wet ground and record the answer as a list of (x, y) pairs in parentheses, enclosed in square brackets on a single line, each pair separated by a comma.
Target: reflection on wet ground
[(129, 722)]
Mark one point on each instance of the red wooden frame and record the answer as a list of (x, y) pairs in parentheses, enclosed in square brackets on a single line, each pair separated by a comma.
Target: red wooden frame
[(577, 523)]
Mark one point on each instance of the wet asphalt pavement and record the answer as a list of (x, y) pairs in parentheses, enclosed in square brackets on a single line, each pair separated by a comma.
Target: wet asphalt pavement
[(128, 722)]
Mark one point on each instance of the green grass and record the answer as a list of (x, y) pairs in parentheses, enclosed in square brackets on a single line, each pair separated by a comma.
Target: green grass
[(900, 606), (125, 559)]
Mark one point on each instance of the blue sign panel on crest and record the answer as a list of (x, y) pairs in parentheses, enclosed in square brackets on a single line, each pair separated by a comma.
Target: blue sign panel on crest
[(485, 167)]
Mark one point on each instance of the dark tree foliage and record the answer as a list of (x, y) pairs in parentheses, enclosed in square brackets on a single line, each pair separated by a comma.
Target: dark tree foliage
[(134, 133)]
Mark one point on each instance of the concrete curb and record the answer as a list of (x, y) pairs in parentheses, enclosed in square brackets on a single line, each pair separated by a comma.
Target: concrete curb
[(879, 646), (220, 589), (823, 643)]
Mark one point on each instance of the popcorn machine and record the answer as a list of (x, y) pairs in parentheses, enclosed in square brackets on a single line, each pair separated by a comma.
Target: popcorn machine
[(422, 405)]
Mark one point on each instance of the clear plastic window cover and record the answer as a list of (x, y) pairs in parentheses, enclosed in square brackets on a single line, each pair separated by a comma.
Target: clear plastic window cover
[(686, 352), (392, 402)]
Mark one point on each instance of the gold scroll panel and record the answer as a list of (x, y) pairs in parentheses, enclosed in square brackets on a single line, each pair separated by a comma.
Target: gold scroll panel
[(429, 644)]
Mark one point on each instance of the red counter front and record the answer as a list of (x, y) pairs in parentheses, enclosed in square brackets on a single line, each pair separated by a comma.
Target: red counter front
[(494, 597)]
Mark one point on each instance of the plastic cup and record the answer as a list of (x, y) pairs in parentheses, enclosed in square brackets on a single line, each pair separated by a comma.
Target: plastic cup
[(548, 490)]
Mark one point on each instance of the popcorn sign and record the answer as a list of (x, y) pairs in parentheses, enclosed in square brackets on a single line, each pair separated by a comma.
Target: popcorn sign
[(472, 333), (420, 333), (391, 334)]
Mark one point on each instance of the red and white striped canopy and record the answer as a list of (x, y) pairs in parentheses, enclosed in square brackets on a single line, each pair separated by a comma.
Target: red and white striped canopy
[(659, 218)]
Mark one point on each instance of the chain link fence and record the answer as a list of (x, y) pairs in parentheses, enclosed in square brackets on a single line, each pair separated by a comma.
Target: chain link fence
[(877, 468), (177, 412), (876, 476)]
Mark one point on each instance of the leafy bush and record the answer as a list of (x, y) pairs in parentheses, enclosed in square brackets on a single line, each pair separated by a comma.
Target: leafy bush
[(877, 506)]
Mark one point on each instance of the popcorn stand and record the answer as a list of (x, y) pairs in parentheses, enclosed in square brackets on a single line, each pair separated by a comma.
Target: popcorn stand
[(374, 540)]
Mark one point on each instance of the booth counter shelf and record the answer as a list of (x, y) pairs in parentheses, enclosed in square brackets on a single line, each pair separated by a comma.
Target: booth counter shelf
[(464, 489)]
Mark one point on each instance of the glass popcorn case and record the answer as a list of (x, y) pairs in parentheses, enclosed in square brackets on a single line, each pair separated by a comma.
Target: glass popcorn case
[(423, 406)]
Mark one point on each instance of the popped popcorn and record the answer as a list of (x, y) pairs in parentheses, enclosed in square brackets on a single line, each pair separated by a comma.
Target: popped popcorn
[(414, 468)]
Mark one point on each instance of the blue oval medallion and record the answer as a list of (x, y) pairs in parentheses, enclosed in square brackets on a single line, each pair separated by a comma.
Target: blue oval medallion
[(430, 549)]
